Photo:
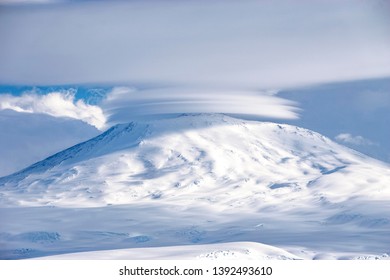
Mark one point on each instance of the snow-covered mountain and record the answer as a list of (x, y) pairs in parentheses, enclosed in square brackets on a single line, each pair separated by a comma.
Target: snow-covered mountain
[(199, 179)]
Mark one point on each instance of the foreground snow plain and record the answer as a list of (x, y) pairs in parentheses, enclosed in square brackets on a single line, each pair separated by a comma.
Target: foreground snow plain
[(199, 186)]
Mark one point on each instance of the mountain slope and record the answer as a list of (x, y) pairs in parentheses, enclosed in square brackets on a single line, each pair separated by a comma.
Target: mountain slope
[(27, 138), (199, 179)]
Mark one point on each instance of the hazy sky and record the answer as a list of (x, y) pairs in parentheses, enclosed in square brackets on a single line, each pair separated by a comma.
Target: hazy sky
[(241, 44)]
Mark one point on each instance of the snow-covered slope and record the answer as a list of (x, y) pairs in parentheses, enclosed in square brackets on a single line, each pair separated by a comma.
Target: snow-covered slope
[(199, 179), (217, 251)]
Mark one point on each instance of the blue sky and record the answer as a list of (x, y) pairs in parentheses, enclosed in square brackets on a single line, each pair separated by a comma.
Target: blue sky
[(90, 94), (356, 114)]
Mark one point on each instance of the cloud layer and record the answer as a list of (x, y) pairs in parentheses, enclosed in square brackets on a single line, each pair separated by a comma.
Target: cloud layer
[(241, 44), (57, 104), (123, 104)]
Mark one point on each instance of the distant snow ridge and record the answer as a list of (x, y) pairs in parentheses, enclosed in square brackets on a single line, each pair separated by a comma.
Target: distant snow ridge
[(199, 179), (221, 251)]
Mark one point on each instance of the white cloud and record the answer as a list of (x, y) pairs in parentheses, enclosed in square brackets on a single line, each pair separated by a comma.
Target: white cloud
[(241, 44), (57, 104), (354, 140), (123, 104)]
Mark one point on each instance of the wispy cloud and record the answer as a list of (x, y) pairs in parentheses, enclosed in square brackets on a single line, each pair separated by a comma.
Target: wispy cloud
[(240, 44), (354, 140), (58, 104)]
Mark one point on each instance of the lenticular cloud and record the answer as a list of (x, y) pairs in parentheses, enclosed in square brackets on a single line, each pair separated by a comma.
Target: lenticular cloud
[(123, 104), (57, 104)]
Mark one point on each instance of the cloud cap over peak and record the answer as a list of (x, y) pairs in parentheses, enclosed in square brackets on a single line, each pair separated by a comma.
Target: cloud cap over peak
[(123, 104)]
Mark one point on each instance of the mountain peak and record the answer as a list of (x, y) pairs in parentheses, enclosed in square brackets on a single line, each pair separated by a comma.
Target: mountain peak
[(191, 153)]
